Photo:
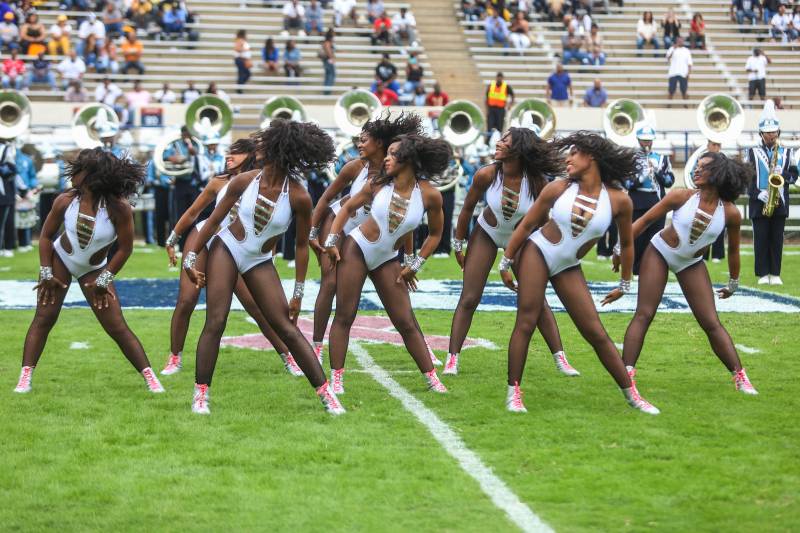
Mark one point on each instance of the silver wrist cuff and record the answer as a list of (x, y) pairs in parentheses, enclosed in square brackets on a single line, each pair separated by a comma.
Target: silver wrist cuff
[(299, 289), (45, 273), (331, 240), (416, 264), (458, 245), (625, 286), (172, 240), (733, 285), (104, 279), (617, 249), (505, 264), (408, 259), (313, 234), (190, 260)]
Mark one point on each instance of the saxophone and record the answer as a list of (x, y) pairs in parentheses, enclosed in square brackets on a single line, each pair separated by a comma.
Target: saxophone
[(775, 184)]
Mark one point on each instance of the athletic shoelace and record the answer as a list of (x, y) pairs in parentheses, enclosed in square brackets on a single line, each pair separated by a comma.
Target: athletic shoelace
[(25, 378), (563, 363), (150, 378), (516, 399), (452, 362), (200, 396)]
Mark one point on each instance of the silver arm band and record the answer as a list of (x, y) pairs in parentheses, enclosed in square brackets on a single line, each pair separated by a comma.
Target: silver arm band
[(172, 240), (617, 249), (313, 233), (299, 289), (408, 259), (416, 263), (45, 273), (104, 279), (331, 240), (733, 285), (505, 264), (190, 260), (625, 286), (458, 245)]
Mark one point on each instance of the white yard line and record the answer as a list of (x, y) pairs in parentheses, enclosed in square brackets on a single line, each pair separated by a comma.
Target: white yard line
[(747, 349), (494, 487)]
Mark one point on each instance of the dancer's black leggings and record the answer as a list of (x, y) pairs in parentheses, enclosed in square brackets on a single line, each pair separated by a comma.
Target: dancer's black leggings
[(110, 318), (351, 273), (696, 286), (571, 288), (478, 262), (265, 286), (188, 294)]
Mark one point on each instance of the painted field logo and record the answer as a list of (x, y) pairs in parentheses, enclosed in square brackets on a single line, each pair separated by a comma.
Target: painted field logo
[(366, 329)]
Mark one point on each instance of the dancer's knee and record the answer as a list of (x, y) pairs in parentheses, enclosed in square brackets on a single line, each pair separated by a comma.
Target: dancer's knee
[(215, 324), (470, 300)]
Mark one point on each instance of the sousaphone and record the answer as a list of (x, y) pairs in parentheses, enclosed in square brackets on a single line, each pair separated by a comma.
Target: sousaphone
[(284, 107), (354, 109), (621, 119), (535, 114), (720, 118), (91, 122), (15, 114)]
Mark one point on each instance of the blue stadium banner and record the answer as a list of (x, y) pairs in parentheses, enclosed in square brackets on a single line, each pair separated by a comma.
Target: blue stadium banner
[(151, 117)]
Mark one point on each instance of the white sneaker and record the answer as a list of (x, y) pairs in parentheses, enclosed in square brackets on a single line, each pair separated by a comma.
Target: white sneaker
[(174, 365), (434, 359), (329, 400), (6, 253), (763, 280), (434, 384), (290, 264), (25, 377), (637, 402), (337, 380), (291, 365), (514, 399), (742, 383), (716, 260), (563, 365), (451, 366), (775, 280), (150, 378), (441, 255), (201, 400), (25, 249), (319, 351)]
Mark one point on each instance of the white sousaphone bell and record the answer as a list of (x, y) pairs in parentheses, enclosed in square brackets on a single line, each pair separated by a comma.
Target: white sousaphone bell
[(282, 107), (621, 119), (15, 114), (720, 118), (535, 114), (92, 123), (355, 108)]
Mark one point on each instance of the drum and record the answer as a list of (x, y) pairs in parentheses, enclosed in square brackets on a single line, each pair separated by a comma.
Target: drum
[(145, 202), (27, 214)]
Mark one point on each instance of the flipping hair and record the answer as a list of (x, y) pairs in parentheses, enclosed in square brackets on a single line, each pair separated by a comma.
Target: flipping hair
[(428, 157), (616, 163), (244, 146), (108, 177), (384, 129), (538, 158), (729, 176), (296, 148)]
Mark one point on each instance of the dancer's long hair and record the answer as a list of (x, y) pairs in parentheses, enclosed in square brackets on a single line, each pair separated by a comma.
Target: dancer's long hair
[(295, 148), (244, 146), (538, 159), (108, 177), (728, 175), (428, 157), (385, 129), (616, 163)]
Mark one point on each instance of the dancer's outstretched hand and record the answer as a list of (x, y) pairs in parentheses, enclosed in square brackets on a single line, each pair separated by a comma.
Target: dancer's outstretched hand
[(724, 292), (294, 309), (173, 259), (460, 260), (508, 280), (46, 288), (196, 277), (315, 245), (612, 296), (100, 297), (409, 277), (615, 262), (333, 255)]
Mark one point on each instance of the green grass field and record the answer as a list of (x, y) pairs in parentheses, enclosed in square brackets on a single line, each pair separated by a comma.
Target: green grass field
[(90, 450)]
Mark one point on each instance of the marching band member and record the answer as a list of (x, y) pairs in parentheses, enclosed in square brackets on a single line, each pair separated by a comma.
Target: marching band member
[(213, 163), (51, 178), (768, 158), (186, 186), (28, 185), (698, 218), (399, 197), (241, 158), (583, 206), (267, 201), (654, 175), (95, 212), (522, 163)]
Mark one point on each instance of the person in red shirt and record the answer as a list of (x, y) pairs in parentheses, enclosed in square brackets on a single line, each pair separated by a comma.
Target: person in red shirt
[(386, 95), (380, 29), (13, 71), (437, 97)]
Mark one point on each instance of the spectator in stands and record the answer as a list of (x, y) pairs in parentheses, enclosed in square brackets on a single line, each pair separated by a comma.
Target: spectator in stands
[(781, 26), (13, 71), (473, 10), (72, 68), (40, 73), (418, 98), (386, 96), (559, 87), (144, 16), (293, 16), (437, 97), (107, 59), (756, 67), (680, 66), (132, 50), (242, 58), (404, 27), (745, 9), (519, 32), (343, 9), (671, 26), (414, 73), (107, 92), (90, 27), (269, 56), (597, 57), (770, 8), (112, 20), (697, 33), (189, 94), (315, 24), (496, 29), (386, 73), (499, 98), (165, 95), (75, 92), (374, 10), (291, 60), (327, 54), (90, 52), (9, 32), (571, 48), (646, 31), (381, 30), (596, 95), (32, 36), (138, 96), (60, 33), (594, 39), (173, 21), (796, 21), (212, 89)]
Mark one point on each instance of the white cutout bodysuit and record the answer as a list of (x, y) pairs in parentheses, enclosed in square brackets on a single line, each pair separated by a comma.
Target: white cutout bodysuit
[(103, 234), (501, 233), (362, 214), (225, 222)]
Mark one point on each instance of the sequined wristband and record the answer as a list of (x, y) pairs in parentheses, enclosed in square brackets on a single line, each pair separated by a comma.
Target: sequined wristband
[(617, 249), (408, 259), (104, 279), (458, 245), (299, 289), (505, 264), (313, 234), (190, 260), (416, 263), (331, 240), (733, 285), (172, 240), (45, 273), (625, 286)]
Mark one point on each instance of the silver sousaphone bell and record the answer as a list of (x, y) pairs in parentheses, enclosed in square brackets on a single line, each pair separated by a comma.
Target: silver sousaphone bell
[(621, 119), (461, 123), (283, 107), (354, 109), (15, 114), (720, 118), (92, 123), (535, 114)]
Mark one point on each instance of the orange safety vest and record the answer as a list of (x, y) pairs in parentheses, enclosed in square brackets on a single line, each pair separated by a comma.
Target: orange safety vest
[(497, 95)]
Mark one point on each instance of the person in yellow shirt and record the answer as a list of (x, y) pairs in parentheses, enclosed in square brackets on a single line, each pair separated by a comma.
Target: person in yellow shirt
[(499, 97), (59, 37)]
